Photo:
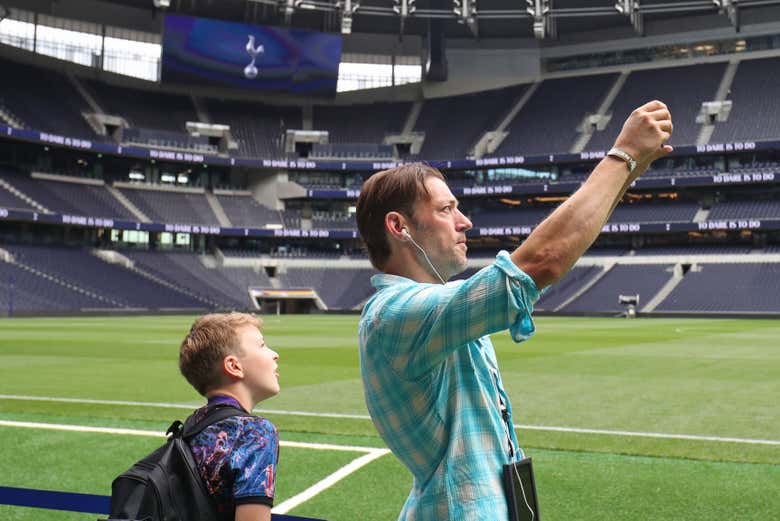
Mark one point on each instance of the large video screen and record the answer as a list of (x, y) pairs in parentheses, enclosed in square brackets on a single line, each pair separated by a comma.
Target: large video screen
[(212, 52)]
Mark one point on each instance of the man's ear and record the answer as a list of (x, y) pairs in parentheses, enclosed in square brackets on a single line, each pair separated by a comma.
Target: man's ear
[(232, 367), (395, 224)]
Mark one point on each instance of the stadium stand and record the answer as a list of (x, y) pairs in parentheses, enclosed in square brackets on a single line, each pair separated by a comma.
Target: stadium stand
[(291, 218), (339, 288), (71, 197), (58, 278), (567, 287), (694, 250), (743, 288), (171, 206), (333, 221), (745, 210), (347, 288), (257, 128), (453, 125), (9, 199), (755, 113), (300, 277), (81, 269), (607, 251), (24, 288), (361, 123), (244, 210), (654, 212), (631, 279), (239, 252), (146, 109), (224, 287), (520, 216), (168, 139), (683, 89), (36, 97), (351, 151), (757, 167), (656, 172), (625, 213), (548, 122)]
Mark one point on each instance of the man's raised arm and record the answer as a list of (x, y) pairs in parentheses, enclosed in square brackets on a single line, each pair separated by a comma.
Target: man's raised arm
[(556, 244)]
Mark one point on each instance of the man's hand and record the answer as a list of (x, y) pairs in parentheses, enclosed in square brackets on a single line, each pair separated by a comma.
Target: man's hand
[(556, 244), (645, 133)]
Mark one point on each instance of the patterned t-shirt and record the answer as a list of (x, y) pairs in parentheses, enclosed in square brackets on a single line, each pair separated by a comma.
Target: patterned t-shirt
[(237, 459)]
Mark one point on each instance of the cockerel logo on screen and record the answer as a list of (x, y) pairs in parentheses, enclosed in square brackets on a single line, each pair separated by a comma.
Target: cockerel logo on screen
[(250, 71)]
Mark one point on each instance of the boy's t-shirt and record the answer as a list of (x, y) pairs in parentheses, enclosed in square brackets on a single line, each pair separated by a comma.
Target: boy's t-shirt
[(237, 459)]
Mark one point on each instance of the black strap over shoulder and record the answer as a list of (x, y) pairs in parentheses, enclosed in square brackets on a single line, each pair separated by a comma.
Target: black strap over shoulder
[(166, 485), (192, 427)]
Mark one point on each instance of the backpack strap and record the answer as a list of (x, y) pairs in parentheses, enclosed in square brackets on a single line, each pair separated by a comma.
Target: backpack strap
[(193, 427)]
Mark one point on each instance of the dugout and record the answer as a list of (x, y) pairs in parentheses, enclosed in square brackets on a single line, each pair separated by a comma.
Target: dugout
[(282, 301)]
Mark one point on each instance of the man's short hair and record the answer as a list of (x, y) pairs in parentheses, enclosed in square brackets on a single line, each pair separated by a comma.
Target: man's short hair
[(211, 338), (394, 190)]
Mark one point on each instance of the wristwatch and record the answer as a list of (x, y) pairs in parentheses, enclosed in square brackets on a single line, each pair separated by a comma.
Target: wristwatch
[(625, 156)]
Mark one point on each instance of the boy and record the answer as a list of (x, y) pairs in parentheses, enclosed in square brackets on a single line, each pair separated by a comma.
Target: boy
[(225, 358)]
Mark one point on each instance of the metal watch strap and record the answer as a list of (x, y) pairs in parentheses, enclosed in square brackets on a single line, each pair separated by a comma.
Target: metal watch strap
[(625, 156)]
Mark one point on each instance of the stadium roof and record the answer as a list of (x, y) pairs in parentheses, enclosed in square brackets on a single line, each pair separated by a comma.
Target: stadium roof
[(565, 19)]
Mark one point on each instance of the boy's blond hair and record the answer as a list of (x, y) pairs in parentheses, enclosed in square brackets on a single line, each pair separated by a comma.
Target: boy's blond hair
[(211, 338)]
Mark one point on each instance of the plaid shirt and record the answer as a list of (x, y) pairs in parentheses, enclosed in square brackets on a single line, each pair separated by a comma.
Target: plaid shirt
[(430, 378)]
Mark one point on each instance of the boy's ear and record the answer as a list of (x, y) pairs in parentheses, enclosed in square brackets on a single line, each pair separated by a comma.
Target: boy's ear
[(231, 366)]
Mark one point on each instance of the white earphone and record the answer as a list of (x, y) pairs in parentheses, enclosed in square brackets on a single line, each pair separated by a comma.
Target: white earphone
[(408, 235)]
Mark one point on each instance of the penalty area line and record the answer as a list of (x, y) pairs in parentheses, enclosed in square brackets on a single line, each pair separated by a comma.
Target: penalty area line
[(330, 480)]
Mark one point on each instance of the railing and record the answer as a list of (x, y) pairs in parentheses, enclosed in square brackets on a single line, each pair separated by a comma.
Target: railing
[(74, 502)]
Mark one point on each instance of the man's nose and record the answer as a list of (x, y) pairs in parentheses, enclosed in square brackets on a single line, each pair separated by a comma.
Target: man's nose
[(464, 222)]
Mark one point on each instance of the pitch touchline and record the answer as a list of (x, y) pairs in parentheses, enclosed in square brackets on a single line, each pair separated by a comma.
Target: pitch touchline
[(550, 428), (285, 506)]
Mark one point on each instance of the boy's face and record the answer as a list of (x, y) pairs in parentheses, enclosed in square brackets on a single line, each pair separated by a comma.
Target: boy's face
[(259, 363)]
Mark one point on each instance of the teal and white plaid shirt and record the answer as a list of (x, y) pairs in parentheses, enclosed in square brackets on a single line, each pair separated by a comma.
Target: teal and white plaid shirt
[(430, 377)]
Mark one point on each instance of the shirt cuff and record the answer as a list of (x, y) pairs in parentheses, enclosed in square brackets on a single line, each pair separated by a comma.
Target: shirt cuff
[(523, 294), (255, 500)]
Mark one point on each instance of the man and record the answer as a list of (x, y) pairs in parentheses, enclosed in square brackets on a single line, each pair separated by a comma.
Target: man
[(430, 376), (225, 358)]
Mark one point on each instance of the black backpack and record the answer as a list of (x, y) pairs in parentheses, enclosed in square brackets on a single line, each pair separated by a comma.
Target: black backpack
[(166, 484)]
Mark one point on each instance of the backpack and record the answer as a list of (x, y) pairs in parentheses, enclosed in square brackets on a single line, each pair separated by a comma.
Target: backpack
[(166, 484)]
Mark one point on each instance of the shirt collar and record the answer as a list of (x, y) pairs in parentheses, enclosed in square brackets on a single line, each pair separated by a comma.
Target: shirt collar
[(382, 280), (221, 400)]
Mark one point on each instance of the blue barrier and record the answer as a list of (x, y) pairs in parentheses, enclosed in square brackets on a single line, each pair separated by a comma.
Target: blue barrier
[(74, 502), (53, 500)]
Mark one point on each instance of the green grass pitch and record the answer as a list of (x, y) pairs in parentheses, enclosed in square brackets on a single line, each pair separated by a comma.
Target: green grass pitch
[(705, 378)]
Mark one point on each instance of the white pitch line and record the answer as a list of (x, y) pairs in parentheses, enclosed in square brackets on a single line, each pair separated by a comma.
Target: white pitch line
[(329, 481), (721, 439), (98, 402), (80, 428), (285, 506), (327, 446), (187, 406), (550, 428), (159, 434)]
